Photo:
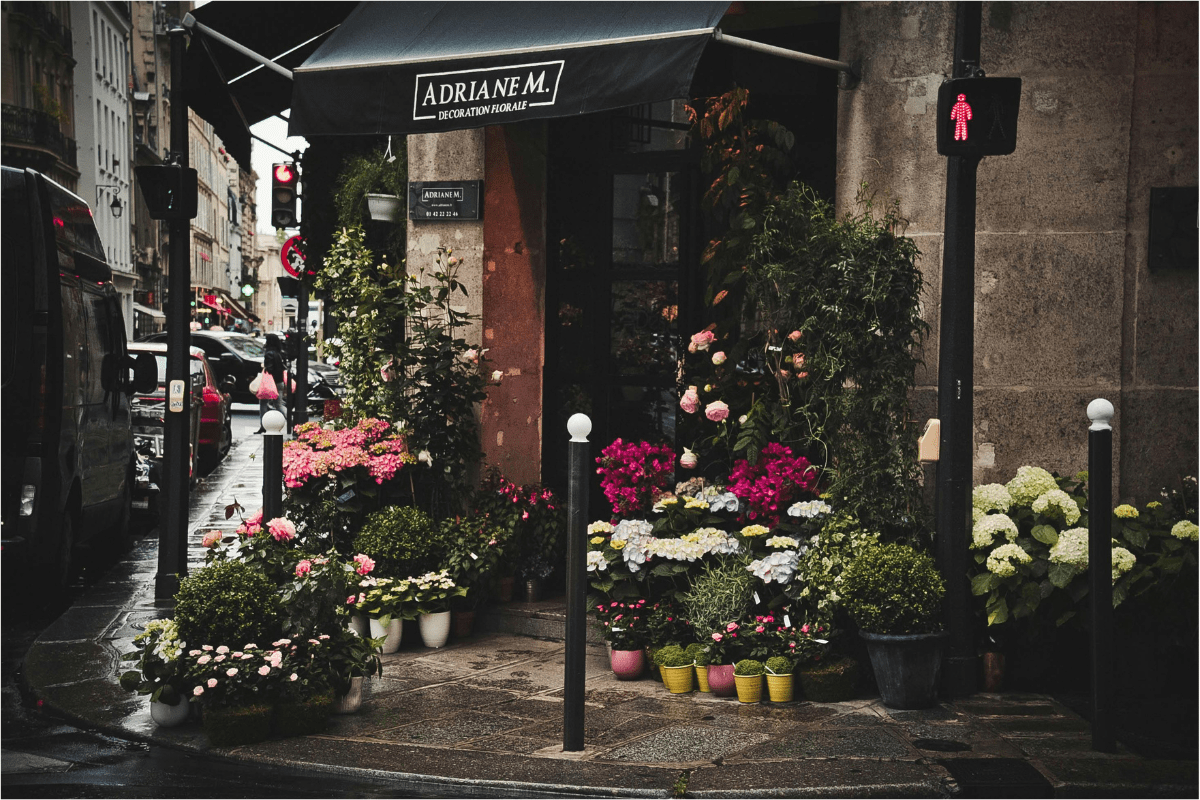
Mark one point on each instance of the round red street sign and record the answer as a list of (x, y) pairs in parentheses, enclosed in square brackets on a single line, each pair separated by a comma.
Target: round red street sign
[(292, 256)]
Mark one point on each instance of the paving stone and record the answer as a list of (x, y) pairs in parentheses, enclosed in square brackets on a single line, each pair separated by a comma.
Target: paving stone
[(671, 707), (683, 744), (1070, 746), (509, 744), (1009, 709), (861, 742), (939, 713), (1038, 725), (600, 726), (451, 730), (531, 708)]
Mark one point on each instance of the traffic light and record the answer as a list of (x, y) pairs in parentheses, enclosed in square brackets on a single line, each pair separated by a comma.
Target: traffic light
[(170, 191), (293, 340), (284, 180), (978, 116)]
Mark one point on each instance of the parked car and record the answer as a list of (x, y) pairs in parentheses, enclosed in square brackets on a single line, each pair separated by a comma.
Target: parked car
[(231, 355), (216, 416), (67, 379)]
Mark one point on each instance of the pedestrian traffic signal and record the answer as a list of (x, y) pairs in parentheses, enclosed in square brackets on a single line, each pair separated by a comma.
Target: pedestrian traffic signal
[(284, 180), (978, 116)]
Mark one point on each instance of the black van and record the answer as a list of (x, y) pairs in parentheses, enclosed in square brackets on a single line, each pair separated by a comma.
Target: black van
[(67, 442)]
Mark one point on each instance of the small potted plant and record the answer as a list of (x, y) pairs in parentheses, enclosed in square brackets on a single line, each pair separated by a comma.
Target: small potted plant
[(381, 178), (780, 686), (894, 594), (160, 672), (678, 668), (386, 604), (431, 594), (348, 660), (305, 696), (624, 629), (748, 675), (237, 689), (699, 655)]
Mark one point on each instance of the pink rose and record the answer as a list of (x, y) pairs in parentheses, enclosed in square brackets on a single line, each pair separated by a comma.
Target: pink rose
[(293, 676), (716, 637), (204, 659), (795, 335), (688, 460), (365, 564), (716, 411), (690, 400), (804, 628), (759, 629), (350, 600), (718, 358), (264, 670), (231, 671), (212, 683), (222, 649), (701, 341), (199, 690), (303, 568), (282, 530), (731, 627), (211, 538)]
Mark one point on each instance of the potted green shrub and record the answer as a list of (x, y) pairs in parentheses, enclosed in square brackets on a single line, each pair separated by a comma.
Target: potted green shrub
[(677, 668), (159, 672), (348, 661), (399, 539), (228, 603), (894, 594), (699, 655), (748, 675), (380, 178), (780, 683)]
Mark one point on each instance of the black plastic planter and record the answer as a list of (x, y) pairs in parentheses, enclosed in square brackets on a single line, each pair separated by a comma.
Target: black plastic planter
[(907, 667)]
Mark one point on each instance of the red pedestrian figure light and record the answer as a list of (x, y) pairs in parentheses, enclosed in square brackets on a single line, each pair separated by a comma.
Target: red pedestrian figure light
[(960, 113)]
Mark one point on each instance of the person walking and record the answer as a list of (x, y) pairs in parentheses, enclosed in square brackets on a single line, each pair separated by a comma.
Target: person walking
[(273, 366)]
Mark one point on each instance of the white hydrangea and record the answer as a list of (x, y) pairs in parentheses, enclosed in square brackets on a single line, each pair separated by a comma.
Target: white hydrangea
[(1057, 504), (1071, 548), (809, 509), (983, 533), (779, 567), (1001, 560), (600, 527), (676, 549), (991, 497), (1122, 562), (1029, 484), (782, 541), (636, 535), (1185, 529), (714, 541), (721, 500), (596, 561)]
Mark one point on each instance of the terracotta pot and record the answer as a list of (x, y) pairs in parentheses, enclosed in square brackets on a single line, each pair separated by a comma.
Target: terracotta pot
[(993, 672), (504, 589), (720, 680), (462, 622), (628, 665)]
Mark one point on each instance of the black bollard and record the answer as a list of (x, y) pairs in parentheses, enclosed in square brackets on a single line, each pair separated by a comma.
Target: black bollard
[(1100, 412), (274, 423), (579, 426)]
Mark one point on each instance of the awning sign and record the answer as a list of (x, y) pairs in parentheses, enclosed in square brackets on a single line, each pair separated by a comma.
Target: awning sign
[(445, 200), (481, 93)]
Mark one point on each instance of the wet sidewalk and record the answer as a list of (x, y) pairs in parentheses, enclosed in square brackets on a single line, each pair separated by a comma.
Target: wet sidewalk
[(483, 716)]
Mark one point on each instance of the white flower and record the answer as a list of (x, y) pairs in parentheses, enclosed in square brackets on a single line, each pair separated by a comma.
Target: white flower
[(991, 497), (1185, 529), (809, 509), (984, 532), (637, 535), (425, 457), (497, 375), (600, 527), (1122, 562), (777, 567), (1029, 484), (1071, 548), (1000, 560), (1057, 504), (714, 541), (724, 501), (596, 561), (782, 541)]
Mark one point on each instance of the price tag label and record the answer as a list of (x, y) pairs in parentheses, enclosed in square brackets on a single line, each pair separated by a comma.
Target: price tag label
[(473, 556), (176, 395), (756, 600), (787, 621)]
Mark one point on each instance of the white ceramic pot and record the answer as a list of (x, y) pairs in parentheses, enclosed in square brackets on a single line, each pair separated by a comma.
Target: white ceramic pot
[(358, 624), (384, 207), (393, 631), (166, 716), (435, 628), (351, 701)]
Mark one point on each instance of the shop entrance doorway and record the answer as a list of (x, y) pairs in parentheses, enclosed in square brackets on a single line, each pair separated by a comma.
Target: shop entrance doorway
[(623, 283)]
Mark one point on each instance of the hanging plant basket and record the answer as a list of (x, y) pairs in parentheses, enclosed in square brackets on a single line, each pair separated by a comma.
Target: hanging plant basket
[(385, 207)]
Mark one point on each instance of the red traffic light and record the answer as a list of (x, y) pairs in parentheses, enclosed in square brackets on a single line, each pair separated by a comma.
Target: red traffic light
[(284, 174)]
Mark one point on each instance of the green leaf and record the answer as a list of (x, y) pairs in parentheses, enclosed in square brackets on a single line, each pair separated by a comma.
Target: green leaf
[(998, 612), (1059, 622), (1045, 534), (984, 583), (1062, 574), (130, 680)]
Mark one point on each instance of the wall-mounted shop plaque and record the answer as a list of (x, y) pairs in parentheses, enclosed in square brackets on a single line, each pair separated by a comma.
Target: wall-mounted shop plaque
[(444, 200)]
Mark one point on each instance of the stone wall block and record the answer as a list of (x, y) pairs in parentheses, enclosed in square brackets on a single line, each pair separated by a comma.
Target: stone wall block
[(1025, 39), (930, 263), (1048, 310), (1158, 440)]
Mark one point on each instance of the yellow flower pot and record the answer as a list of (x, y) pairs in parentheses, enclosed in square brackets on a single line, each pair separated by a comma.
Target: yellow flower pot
[(749, 688), (702, 678), (678, 680), (780, 688)]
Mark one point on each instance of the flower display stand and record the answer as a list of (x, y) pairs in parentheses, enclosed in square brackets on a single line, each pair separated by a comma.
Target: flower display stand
[(168, 716), (628, 665), (435, 628), (720, 680)]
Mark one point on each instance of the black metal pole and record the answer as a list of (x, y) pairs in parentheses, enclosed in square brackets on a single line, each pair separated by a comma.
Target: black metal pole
[(302, 356), (172, 531), (1100, 412), (956, 388), (273, 422), (575, 661)]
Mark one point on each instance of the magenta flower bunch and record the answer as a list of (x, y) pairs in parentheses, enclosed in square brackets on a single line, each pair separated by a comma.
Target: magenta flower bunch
[(373, 446), (773, 482), (633, 475), (625, 624)]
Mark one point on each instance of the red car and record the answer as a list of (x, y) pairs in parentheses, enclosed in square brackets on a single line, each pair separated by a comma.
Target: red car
[(216, 415)]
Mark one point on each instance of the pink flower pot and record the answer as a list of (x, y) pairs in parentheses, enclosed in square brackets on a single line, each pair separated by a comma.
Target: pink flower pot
[(720, 680), (627, 665)]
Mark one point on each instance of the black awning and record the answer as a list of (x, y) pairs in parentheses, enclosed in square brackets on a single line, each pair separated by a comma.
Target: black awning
[(429, 67), (271, 29)]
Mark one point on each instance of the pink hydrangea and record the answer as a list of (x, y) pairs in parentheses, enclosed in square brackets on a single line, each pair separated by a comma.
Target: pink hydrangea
[(282, 530), (718, 358), (716, 411), (795, 335), (303, 568)]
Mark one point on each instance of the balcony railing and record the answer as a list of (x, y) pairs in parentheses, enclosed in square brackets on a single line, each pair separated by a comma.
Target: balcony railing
[(46, 23), (32, 127)]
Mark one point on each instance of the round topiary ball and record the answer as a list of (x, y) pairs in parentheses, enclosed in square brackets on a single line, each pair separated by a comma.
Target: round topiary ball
[(400, 540), (894, 589), (229, 603)]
